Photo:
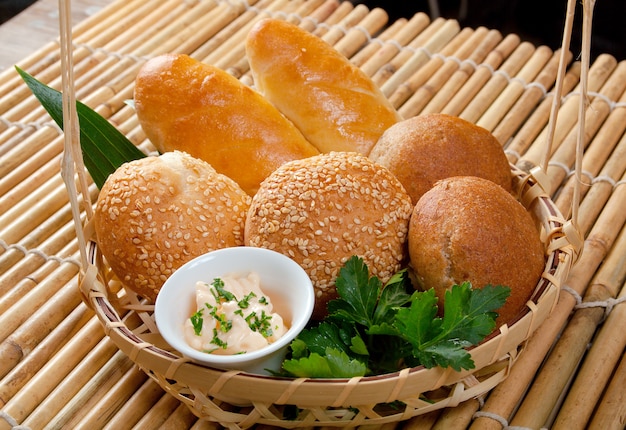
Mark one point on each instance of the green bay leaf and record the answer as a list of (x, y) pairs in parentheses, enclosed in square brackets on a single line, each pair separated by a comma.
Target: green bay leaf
[(103, 146)]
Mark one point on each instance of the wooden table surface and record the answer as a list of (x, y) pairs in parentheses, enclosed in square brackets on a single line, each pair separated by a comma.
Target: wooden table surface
[(37, 25)]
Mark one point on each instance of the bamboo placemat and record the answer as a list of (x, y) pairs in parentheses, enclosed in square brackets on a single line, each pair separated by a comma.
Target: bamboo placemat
[(59, 371)]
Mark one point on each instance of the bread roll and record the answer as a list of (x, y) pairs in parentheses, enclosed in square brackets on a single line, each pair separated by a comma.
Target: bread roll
[(470, 229), (426, 148), (185, 105), (156, 213), (322, 210), (335, 105)]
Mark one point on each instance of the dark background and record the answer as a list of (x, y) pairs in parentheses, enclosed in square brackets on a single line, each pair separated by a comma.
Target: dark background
[(537, 21)]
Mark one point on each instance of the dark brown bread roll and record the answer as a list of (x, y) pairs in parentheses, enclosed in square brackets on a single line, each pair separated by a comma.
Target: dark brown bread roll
[(426, 148), (470, 229)]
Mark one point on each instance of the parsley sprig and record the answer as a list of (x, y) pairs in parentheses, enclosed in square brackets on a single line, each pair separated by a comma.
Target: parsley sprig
[(374, 328)]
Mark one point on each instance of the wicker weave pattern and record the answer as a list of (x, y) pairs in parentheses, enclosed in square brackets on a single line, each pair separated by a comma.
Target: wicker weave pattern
[(234, 398)]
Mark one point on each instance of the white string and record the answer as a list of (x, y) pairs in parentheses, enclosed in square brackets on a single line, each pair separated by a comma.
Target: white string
[(38, 253), (12, 422)]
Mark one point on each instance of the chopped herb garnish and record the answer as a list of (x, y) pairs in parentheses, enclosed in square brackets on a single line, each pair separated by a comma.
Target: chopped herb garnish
[(196, 322), (245, 302), (263, 300), (223, 295), (217, 341)]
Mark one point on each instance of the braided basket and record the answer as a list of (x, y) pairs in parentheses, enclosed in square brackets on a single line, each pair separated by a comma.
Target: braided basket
[(238, 400)]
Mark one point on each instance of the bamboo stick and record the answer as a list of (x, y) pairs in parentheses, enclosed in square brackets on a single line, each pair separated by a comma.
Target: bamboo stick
[(182, 417), (482, 73), (358, 36), (37, 359), (492, 116), (529, 99), (377, 43), (595, 115), (561, 365), (600, 191), (599, 72), (611, 411), (465, 70), (603, 153), (332, 34), (93, 28), (121, 407), (158, 414), (241, 68), (106, 33), (458, 417), (89, 340), (386, 70), (228, 37), (33, 268), (608, 345), (539, 118), (413, 27), (504, 398), (422, 422), (339, 13), (70, 399), (439, 40), (497, 82), (48, 308), (424, 70), (434, 94)]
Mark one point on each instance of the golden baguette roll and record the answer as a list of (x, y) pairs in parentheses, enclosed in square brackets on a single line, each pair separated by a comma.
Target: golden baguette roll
[(470, 229), (322, 210), (334, 104), (156, 213), (183, 104), (426, 148)]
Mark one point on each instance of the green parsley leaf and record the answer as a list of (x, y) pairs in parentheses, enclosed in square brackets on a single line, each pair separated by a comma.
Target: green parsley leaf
[(333, 364), (386, 328)]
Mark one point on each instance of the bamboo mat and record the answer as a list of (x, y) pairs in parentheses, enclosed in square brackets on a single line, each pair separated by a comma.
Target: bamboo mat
[(57, 370)]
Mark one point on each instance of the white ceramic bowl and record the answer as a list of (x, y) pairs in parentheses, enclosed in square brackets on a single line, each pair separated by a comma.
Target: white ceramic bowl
[(282, 279)]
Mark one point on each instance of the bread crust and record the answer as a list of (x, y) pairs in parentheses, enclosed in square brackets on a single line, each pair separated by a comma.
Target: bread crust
[(424, 149), (334, 103), (322, 210), (183, 104), (470, 229), (156, 213)]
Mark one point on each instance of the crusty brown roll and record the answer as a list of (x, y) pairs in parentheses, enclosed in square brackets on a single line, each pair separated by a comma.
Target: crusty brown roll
[(426, 148), (469, 229), (156, 213), (334, 103), (322, 210), (183, 104)]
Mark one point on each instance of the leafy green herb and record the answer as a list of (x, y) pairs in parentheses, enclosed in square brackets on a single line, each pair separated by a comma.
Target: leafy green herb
[(221, 294), (196, 322), (104, 147), (374, 328), (245, 302)]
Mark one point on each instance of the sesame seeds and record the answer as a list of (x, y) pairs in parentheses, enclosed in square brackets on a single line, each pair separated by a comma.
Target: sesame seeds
[(322, 210), (156, 213)]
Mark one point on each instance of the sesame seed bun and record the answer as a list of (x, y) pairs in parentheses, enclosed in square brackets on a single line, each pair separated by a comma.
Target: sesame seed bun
[(322, 210), (424, 149), (470, 229), (156, 213)]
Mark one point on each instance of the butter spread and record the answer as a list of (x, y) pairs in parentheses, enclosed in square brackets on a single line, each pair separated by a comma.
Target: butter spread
[(233, 316)]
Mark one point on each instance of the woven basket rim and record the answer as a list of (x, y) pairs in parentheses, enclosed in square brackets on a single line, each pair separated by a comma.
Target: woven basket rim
[(198, 385)]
